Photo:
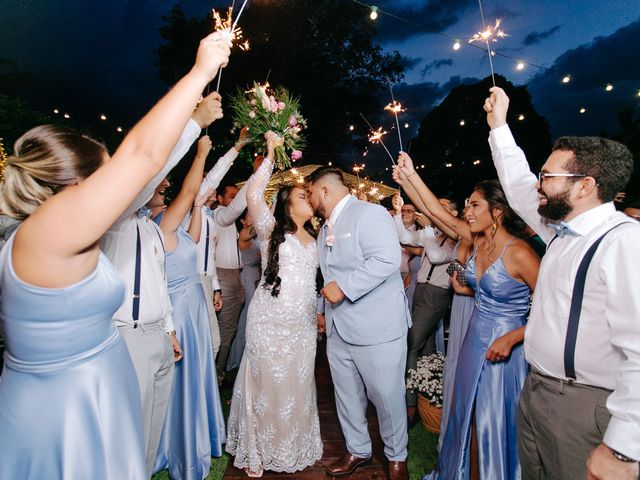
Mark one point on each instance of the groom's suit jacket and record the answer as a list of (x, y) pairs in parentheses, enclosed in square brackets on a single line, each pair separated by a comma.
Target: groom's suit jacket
[(365, 262)]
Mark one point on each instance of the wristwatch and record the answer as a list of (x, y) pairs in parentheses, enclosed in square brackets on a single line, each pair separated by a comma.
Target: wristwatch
[(218, 291), (172, 332), (621, 457)]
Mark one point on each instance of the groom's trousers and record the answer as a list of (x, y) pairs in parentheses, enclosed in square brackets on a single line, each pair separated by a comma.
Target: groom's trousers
[(375, 372)]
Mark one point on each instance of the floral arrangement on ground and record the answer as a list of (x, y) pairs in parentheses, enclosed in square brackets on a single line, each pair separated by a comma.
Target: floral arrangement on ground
[(263, 109), (426, 379)]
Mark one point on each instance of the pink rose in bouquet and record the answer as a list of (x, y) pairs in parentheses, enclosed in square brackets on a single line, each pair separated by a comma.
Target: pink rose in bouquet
[(293, 121), (296, 155), (281, 106)]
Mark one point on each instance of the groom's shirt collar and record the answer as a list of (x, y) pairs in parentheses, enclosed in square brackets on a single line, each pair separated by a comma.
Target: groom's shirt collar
[(337, 210)]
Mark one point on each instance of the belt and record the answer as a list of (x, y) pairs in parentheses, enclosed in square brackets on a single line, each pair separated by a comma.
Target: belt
[(567, 382)]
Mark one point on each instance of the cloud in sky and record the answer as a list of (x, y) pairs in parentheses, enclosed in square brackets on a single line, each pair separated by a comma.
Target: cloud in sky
[(428, 16), (435, 65), (535, 38), (609, 59)]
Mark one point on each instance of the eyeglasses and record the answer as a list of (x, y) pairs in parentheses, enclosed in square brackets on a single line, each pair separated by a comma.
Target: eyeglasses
[(543, 175)]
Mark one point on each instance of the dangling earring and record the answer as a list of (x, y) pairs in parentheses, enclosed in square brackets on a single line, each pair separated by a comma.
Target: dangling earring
[(494, 228)]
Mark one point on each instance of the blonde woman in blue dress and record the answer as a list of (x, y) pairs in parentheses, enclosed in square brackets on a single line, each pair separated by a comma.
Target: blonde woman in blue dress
[(69, 399)]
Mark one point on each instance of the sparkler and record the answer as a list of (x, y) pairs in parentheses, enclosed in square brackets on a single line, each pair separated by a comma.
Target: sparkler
[(376, 137), (396, 108), (489, 34), (230, 28)]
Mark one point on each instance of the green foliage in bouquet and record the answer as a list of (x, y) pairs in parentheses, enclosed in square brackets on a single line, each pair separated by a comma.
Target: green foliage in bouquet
[(263, 109)]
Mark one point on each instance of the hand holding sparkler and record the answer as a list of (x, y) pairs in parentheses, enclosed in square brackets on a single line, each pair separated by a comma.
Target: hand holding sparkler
[(496, 106), (208, 111), (404, 170), (213, 53)]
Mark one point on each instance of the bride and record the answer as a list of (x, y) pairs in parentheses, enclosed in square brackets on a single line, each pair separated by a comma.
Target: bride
[(273, 423)]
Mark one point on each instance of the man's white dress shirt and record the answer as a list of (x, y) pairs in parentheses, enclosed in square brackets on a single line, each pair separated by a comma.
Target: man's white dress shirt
[(608, 344), (435, 252), (119, 245)]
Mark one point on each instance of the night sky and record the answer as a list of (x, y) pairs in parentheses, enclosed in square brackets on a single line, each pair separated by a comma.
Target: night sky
[(98, 56)]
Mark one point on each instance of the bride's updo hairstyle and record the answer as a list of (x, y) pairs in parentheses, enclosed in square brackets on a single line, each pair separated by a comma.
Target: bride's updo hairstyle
[(45, 160)]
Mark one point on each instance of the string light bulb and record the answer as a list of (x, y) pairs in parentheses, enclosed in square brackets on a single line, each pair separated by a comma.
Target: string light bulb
[(406, 125), (476, 162), (448, 165), (56, 111), (609, 87), (462, 123), (103, 117), (67, 116), (582, 110), (374, 13), (520, 66), (457, 45), (119, 129), (521, 117), (566, 79), (351, 127)]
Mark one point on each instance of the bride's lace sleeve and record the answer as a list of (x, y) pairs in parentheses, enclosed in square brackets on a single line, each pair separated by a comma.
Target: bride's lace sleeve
[(263, 220)]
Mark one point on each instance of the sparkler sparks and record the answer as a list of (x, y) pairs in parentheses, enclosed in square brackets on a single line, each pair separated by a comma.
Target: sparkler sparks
[(490, 34), (227, 26), (376, 136), (395, 107)]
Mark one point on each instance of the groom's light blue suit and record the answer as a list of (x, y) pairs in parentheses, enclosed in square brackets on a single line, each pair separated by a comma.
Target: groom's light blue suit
[(367, 332)]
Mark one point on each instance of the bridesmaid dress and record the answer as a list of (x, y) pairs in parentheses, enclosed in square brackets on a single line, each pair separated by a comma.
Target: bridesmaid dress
[(69, 398), (194, 429), (249, 276), (485, 391), (461, 311)]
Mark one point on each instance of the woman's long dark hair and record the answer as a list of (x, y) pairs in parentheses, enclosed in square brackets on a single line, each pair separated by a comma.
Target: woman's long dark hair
[(493, 193), (284, 224)]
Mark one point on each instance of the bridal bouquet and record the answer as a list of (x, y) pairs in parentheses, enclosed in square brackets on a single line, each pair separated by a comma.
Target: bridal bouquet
[(263, 109), (426, 379)]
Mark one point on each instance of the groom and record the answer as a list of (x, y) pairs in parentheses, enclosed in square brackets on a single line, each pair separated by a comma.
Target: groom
[(366, 320)]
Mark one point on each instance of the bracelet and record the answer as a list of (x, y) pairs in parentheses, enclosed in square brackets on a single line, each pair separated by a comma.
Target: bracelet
[(621, 457), (172, 332), (218, 291), (411, 174)]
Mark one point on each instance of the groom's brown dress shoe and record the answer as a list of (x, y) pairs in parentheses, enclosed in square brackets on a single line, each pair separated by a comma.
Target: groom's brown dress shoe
[(346, 465), (398, 471)]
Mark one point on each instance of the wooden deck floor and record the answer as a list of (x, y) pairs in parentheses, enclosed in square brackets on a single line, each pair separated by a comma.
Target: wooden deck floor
[(332, 437)]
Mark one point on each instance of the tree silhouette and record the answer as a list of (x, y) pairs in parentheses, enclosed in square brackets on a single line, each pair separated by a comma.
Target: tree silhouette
[(322, 52), (452, 140)]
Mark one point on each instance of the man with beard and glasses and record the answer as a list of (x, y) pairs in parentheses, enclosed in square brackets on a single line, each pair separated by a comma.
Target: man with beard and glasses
[(579, 413)]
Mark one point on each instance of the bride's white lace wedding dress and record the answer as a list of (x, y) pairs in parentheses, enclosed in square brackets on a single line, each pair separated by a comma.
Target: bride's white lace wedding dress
[(273, 423)]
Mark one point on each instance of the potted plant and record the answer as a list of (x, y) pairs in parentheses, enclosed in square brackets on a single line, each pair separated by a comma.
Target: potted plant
[(426, 380)]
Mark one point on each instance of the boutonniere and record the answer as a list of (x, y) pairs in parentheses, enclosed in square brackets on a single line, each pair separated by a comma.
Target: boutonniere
[(330, 241)]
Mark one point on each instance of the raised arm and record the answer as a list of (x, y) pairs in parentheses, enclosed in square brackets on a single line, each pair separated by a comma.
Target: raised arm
[(518, 183), (208, 111), (263, 220), (222, 166), (69, 223), (430, 201), (181, 205)]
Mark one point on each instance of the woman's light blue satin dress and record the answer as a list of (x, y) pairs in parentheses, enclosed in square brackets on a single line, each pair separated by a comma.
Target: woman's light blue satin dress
[(487, 392), (194, 429), (461, 311), (69, 398)]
